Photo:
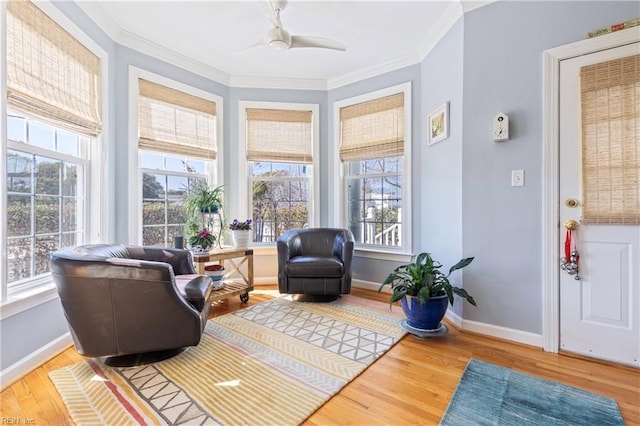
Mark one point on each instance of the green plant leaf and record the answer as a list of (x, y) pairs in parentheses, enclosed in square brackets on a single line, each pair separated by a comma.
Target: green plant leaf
[(461, 264), (463, 293)]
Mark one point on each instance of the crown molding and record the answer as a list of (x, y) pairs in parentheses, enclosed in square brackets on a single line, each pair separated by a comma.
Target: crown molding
[(448, 19), (255, 82), (100, 17), (359, 75), (157, 51)]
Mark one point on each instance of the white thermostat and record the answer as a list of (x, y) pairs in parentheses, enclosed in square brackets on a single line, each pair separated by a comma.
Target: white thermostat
[(501, 127)]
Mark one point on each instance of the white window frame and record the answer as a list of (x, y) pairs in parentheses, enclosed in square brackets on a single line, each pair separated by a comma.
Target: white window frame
[(214, 173), (339, 218), (98, 205), (244, 206)]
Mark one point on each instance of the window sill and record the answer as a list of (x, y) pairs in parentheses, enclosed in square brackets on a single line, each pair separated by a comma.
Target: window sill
[(27, 299), (371, 253)]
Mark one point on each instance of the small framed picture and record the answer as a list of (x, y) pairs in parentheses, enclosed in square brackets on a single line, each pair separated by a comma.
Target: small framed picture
[(438, 124)]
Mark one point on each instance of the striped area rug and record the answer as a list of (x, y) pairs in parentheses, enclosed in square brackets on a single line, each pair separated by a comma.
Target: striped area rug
[(273, 363)]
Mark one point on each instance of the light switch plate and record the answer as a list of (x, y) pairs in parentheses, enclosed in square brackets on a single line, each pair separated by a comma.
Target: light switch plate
[(517, 177)]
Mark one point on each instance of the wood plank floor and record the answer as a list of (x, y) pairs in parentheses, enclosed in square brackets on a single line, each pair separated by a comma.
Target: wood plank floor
[(410, 385)]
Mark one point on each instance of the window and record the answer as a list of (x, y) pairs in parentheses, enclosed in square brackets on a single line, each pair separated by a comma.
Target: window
[(46, 171), (374, 146), (177, 151), (279, 157), (53, 128)]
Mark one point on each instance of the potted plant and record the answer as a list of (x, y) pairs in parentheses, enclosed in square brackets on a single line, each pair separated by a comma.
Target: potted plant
[(240, 231), (202, 241), (203, 205), (424, 291)]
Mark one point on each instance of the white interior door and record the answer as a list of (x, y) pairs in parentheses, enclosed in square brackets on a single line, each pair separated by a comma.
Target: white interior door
[(599, 313)]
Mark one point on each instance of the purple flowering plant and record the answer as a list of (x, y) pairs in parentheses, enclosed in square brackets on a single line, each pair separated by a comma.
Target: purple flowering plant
[(245, 225)]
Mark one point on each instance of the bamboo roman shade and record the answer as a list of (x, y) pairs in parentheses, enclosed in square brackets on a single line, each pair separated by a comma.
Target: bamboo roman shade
[(279, 135), (50, 74), (372, 129), (174, 122), (610, 100)]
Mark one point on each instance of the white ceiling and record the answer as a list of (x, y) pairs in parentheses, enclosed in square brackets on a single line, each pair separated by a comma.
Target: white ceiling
[(207, 35)]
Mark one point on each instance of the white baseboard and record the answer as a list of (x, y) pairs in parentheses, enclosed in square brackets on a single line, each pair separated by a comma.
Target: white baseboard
[(369, 285), (265, 280), (517, 336), (34, 360)]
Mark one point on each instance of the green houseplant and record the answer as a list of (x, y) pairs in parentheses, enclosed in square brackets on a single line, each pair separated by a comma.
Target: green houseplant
[(420, 286), (203, 205)]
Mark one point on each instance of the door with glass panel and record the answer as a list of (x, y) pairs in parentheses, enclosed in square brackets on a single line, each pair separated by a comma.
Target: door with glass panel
[(600, 205)]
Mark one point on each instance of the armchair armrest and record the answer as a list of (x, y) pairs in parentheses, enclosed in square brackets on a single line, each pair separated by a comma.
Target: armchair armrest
[(179, 259)]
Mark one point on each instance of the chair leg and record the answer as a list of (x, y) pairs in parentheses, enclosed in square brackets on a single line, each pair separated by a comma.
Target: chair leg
[(135, 360)]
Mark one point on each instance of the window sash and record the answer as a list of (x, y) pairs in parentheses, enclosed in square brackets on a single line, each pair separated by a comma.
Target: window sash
[(50, 74)]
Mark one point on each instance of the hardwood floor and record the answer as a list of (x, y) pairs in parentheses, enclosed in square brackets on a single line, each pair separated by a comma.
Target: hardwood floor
[(410, 384)]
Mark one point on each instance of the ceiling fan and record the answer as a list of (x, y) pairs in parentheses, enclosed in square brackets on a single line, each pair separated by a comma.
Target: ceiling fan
[(278, 38)]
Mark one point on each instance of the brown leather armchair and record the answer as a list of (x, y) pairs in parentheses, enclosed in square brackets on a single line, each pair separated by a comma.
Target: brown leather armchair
[(131, 303), (315, 263)]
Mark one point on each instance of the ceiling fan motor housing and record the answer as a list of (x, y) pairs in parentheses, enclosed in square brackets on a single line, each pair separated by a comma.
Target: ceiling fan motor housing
[(279, 39)]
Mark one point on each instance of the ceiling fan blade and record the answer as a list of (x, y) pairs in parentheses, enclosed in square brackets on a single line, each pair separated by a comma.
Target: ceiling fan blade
[(312, 41), (261, 42)]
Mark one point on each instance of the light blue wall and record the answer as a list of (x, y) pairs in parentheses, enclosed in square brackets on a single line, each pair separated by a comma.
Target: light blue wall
[(439, 179), (503, 46)]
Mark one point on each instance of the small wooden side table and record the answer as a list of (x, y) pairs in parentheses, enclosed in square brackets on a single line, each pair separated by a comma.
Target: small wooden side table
[(233, 287)]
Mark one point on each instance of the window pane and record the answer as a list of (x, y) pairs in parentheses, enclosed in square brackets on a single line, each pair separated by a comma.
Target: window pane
[(175, 164), (153, 213), (69, 214), (280, 169), (67, 143), (151, 160), (196, 166), (41, 135), (47, 214), (18, 215), (16, 129), (47, 176), (19, 256), (172, 231), (375, 210), (19, 167), (70, 179), (153, 236), (278, 206), (176, 213), (153, 186), (70, 239), (44, 247)]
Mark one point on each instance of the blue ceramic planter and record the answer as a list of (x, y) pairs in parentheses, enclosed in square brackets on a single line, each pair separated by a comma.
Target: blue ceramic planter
[(427, 316)]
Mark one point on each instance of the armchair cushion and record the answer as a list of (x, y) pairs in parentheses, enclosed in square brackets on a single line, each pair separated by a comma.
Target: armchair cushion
[(196, 289), (314, 266)]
